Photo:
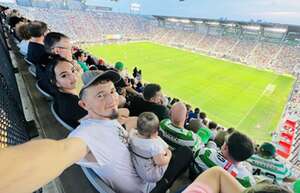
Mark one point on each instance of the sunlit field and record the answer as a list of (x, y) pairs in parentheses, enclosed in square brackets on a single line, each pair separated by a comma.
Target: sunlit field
[(231, 94)]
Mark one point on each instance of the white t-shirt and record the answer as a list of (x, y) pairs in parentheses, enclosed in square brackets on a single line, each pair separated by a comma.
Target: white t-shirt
[(107, 141)]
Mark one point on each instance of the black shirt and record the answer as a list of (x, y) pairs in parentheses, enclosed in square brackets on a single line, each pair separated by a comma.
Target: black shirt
[(38, 56), (36, 53), (67, 108), (44, 81), (138, 105)]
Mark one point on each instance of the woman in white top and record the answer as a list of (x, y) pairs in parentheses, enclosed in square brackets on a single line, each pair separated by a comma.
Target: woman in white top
[(22, 33)]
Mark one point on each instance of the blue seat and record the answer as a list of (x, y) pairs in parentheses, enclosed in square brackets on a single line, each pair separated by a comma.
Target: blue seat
[(96, 181), (32, 70), (44, 93), (31, 67), (65, 125), (29, 62)]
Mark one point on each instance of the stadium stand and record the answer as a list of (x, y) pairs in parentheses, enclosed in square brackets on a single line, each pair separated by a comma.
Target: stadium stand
[(225, 43), (263, 54), (107, 27), (242, 46), (242, 49), (208, 43), (288, 55)]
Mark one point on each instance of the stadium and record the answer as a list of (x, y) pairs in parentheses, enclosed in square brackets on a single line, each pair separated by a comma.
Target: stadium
[(214, 79)]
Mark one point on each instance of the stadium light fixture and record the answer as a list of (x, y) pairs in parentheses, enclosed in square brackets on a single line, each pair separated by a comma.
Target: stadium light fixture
[(172, 19), (198, 22), (185, 21), (213, 23), (230, 24), (252, 27), (276, 30)]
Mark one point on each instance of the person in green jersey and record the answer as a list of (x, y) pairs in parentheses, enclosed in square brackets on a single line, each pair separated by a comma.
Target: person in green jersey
[(265, 164), (81, 57), (173, 131), (296, 186), (236, 149), (216, 180)]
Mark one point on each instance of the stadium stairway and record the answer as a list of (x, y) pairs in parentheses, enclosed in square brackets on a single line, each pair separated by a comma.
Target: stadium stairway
[(72, 180)]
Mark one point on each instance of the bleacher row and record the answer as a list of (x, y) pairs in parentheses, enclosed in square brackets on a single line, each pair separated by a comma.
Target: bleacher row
[(204, 44), (247, 49), (279, 57)]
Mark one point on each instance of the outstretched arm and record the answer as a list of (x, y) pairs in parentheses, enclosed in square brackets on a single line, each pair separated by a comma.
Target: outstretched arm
[(26, 167)]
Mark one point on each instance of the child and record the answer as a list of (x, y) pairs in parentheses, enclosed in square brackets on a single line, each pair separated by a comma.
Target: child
[(150, 154)]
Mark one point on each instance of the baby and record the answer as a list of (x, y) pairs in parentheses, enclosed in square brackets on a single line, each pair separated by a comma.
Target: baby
[(150, 154)]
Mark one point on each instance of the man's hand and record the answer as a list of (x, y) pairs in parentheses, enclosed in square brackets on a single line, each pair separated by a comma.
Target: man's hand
[(123, 115)]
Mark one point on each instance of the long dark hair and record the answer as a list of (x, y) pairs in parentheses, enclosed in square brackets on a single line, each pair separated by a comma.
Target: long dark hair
[(54, 61)]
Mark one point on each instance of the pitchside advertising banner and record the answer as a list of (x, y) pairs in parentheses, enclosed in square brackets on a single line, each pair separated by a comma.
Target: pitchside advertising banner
[(113, 36)]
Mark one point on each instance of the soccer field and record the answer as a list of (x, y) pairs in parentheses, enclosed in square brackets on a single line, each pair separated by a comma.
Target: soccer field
[(231, 94)]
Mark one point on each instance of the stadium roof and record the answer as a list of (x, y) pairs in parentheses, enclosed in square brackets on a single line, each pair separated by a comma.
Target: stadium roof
[(232, 23)]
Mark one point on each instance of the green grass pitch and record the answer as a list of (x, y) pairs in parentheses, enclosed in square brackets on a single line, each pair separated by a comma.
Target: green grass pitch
[(231, 94)]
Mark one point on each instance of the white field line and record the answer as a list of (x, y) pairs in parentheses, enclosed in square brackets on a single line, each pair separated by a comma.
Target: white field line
[(254, 105), (167, 59)]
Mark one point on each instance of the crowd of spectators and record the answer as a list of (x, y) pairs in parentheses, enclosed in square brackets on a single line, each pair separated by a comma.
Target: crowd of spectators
[(294, 102), (102, 26), (292, 112), (266, 55), (208, 43), (95, 29), (107, 101), (242, 50), (288, 55), (193, 38), (263, 54), (225, 44)]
